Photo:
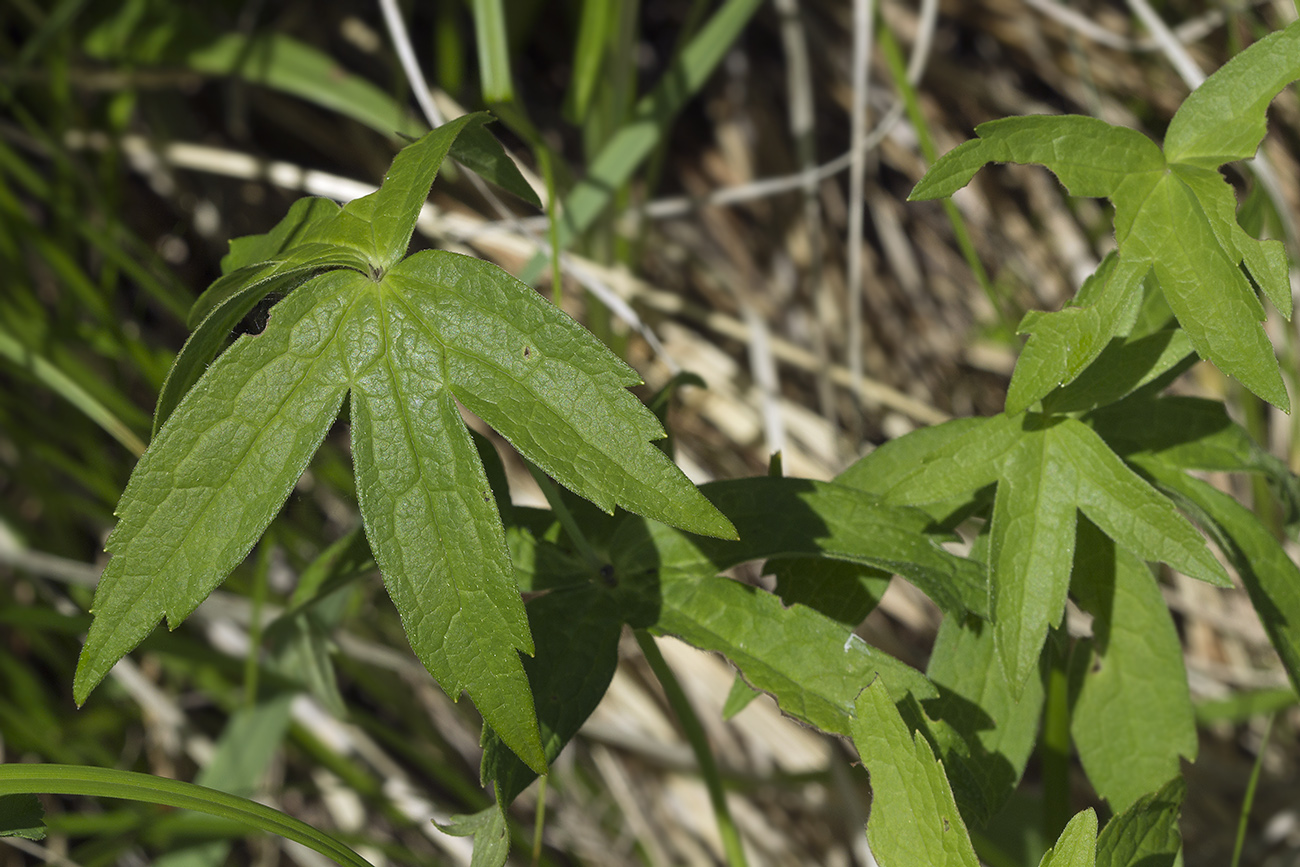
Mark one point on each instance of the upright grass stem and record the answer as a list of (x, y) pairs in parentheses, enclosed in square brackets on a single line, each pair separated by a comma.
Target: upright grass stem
[(694, 731)]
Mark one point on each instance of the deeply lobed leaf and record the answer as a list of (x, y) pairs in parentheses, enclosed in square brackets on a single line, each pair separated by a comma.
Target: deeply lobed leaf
[(1174, 215)]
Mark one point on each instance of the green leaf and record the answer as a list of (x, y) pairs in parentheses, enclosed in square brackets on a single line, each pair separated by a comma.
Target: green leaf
[(490, 831), (738, 697), (966, 461), (1031, 544), (128, 785), (282, 63), (1062, 344), (1077, 845), (240, 292), (408, 341), (550, 388), (631, 145), (1224, 119), (1146, 834), (295, 228), (1123, 369), (882, 469), (1046, 469), (576, 632), (997, 720), (845, 592), (1131, 512), (1173, 211), (914, 819), (1133, 718), (813, 666), (22, 815), (1211, 297), (1089, 156), (1188, 432), (217, 473), (379, 226), (1270, 576), (480, 152), (779, 518)]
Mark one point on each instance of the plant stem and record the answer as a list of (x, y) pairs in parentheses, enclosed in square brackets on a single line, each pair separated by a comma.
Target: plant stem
[(261, 571), (540, 820), (694, 731), (1055, 747), (1249, 799), (565, 517)]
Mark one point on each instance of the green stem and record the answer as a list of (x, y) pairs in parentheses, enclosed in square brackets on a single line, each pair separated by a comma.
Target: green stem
[(699, 742), (261, 570), (1055, 749), (1249, 800), (565, 517), (540, 820)]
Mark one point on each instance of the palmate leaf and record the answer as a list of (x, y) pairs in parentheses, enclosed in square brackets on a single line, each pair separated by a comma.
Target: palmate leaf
[(1175, 217), (409, 339), (1047, 470)]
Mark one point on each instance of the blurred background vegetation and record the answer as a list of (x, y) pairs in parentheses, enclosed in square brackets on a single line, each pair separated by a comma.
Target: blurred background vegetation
[(718, 219)]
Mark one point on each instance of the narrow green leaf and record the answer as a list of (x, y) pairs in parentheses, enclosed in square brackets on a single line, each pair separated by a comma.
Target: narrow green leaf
[(1146, 834), (493, 51), (431, 518), (21, 815), (1031, 545), (1133, 718), (914, 819), (56, 380), (588, 57), (1270, 576), (550, 388), (480, 152), (813, 666), (1225, 118), (1077, 845), (628, 148), (1089, 156), (1265, 260), (131, 786), (380, 225), (1171, 230), (218, 472), (576, 633), (995, 717), (1131, 512), (1062, 344), (282, 63)]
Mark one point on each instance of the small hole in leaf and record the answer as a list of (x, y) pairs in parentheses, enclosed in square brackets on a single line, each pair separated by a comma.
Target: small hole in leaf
[(607, 575)]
